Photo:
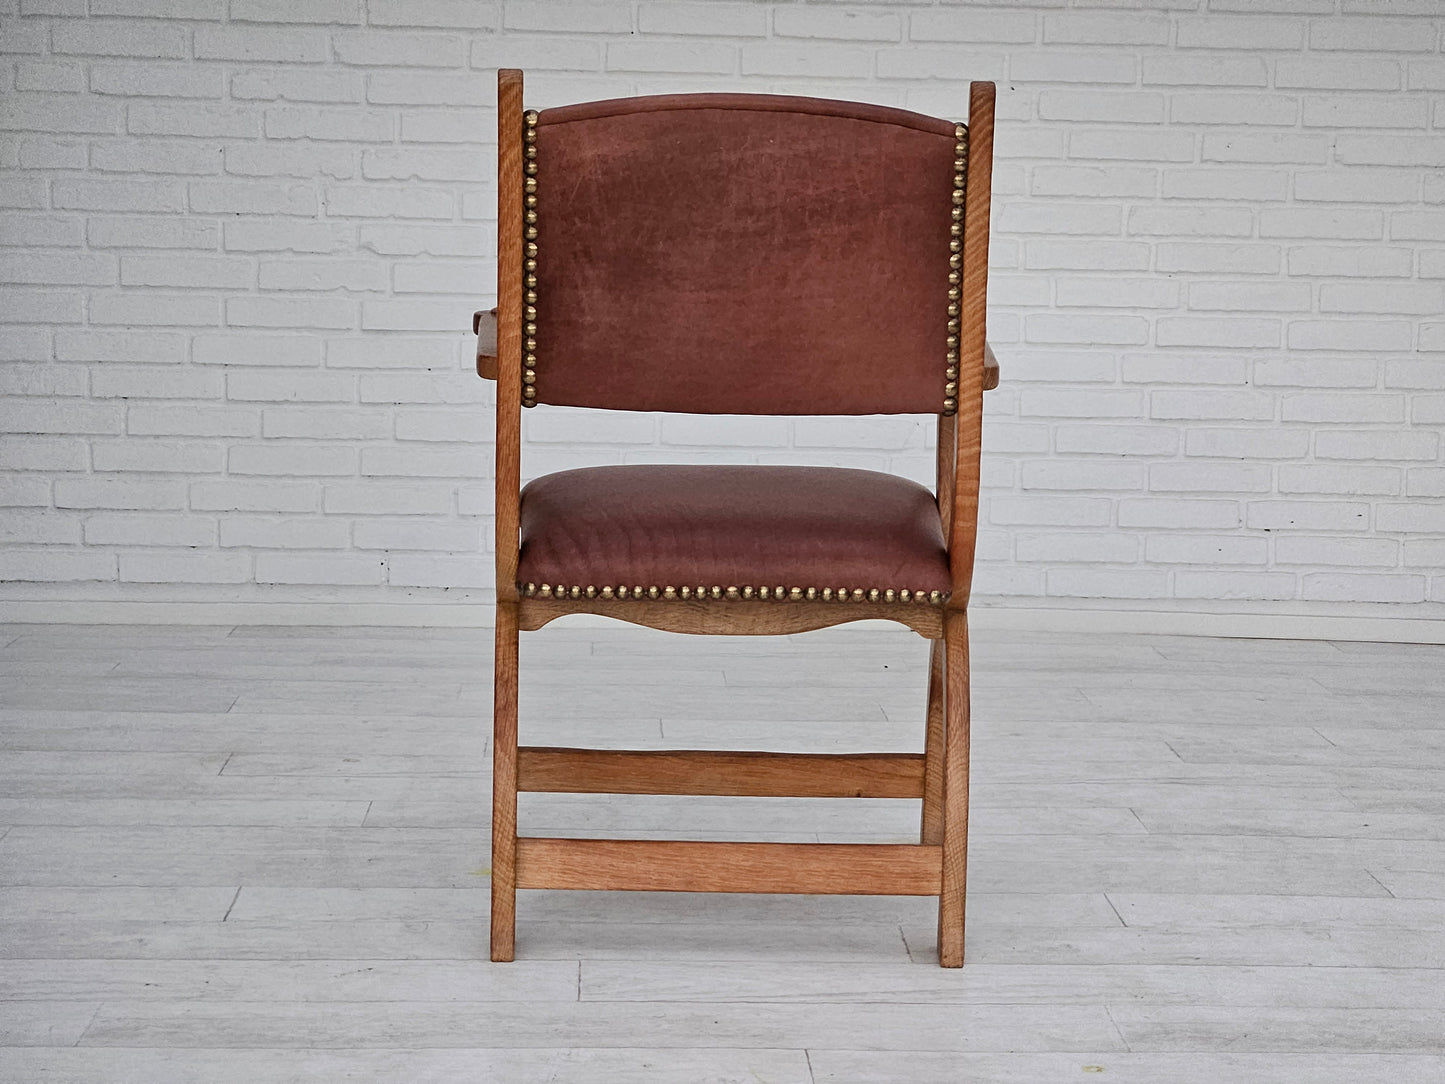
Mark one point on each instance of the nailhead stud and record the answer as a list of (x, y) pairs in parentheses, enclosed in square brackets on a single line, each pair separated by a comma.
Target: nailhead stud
[(955, 261), (529, 185), (718, 592)]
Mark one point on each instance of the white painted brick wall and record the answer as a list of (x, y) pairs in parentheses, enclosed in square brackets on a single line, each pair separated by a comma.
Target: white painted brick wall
[(242, 240)]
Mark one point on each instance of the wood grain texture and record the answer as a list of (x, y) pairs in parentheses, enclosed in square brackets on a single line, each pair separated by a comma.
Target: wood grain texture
[(736, 617), (875, 869), (544, 1024), (508, 501), (932, 822), (943, 470), (785, 775), (504, 785), (865, 983), (1196, 1067), (955, 793), (484, 327), (974, 377), (359, 949), (509, 330), (963, 527), (408, 1061)]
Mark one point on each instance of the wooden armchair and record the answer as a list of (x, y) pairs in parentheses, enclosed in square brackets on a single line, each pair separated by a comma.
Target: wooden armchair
[(740, 254)]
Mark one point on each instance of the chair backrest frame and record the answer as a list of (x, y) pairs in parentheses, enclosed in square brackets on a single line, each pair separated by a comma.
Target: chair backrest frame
[(959, 422), (960, 434), (740, 254)]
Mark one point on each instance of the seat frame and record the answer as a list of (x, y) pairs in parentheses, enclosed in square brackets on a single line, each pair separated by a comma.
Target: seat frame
[(937, 864)]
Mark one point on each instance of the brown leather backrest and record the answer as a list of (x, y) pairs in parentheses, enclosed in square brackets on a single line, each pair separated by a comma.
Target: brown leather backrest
[(742, 254)]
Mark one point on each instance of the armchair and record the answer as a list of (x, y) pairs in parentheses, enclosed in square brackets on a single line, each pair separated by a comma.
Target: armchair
[(740, 254)]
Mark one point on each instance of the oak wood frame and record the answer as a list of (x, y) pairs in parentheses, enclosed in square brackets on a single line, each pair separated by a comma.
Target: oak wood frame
[(558, 770), (484, 327), (736, 617), (660, 865), (937, 865), (508, 510)]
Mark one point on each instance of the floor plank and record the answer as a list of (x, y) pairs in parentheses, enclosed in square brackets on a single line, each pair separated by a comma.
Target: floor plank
[(1280, 1029), (1198, 1067), (1016, 984), (288, 981), (538, 1065), (532, 1024), (259, 854)]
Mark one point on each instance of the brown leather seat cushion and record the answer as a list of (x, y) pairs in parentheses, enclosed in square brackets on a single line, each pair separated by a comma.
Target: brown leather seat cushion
[(732, 526)]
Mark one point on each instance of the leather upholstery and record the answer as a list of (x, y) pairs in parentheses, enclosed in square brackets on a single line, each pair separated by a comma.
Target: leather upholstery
[(653, 290), (780, 103), (731, 526)]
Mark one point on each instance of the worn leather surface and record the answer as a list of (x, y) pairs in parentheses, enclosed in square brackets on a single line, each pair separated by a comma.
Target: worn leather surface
[(782, 103), (733, 526), (742, 254)]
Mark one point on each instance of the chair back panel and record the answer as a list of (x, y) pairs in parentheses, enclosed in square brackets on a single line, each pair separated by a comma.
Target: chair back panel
[(742, 254)]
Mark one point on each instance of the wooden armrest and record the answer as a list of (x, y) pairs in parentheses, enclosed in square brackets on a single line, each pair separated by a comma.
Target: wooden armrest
[(484, 326)]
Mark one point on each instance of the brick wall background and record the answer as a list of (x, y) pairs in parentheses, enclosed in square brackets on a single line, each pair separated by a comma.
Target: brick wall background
[(242, 240)]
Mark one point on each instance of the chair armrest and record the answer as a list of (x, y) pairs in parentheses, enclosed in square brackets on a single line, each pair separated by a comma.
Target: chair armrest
[(484, 326)]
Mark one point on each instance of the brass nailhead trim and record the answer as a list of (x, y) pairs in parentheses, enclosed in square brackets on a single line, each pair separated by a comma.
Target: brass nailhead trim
[(955, 263), (529, 327), (529, 261), (774, 594), (777, 594)]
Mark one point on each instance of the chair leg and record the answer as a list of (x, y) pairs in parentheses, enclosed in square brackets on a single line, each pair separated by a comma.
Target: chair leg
[(932, 829), (504, 785), (955, 793)]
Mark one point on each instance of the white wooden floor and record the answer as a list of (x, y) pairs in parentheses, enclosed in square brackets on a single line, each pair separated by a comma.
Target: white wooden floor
[(260, 854)]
